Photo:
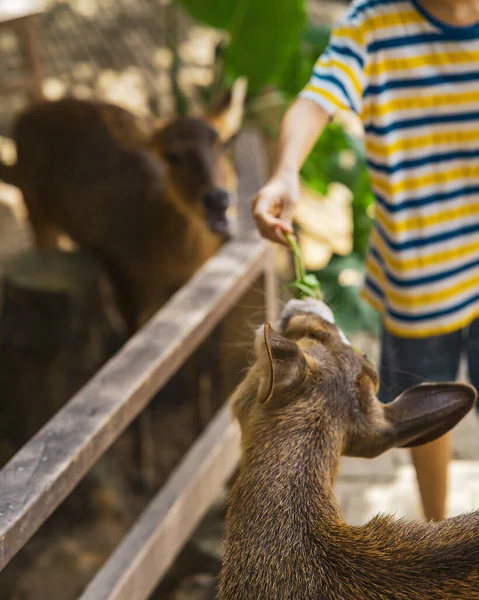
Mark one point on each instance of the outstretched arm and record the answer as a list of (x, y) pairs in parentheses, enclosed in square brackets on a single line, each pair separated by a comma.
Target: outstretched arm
[(273, 207)]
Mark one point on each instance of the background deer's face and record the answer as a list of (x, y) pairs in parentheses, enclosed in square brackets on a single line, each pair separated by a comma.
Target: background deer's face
[(307, 374), (196, 152)]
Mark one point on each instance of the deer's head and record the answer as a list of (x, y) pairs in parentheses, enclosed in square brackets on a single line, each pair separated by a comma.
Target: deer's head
[(306, 373), (196, 152)]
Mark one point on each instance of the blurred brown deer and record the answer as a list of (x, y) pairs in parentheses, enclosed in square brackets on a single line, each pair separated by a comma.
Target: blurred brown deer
[(150, 203), (308, 399)]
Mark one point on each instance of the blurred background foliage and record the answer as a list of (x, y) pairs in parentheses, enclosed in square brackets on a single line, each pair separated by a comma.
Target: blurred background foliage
[(263, 35), (275, 46)]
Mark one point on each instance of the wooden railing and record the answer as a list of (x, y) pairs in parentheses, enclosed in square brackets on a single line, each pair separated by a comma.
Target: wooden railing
[(53, 462)]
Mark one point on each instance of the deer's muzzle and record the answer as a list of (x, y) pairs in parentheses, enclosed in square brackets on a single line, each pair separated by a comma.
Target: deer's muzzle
[(217, 203), (309, 306)]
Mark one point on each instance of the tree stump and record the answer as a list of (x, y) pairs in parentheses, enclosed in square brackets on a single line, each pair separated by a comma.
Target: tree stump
[(59, 324)]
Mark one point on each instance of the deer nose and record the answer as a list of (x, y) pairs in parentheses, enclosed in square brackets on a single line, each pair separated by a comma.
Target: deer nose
[(216, 200)]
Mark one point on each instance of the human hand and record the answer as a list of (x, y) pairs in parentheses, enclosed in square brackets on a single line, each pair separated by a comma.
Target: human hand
[(274, 206)]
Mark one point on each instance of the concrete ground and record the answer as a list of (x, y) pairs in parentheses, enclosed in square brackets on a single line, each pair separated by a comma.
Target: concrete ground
[(388, 484)]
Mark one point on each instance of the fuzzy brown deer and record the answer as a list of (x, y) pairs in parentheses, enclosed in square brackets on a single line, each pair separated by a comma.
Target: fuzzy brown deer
[(150, 204), (308, 399)]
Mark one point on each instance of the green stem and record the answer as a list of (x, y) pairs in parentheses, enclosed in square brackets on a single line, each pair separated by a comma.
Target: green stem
[(306, 286)]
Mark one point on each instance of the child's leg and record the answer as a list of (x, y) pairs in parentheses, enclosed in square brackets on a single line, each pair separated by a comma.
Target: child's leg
[(432, 465), (406, 362)]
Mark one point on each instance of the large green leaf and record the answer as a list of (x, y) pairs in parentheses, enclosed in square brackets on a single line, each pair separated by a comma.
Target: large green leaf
[(265, 34), (216, 13), (314, 41)]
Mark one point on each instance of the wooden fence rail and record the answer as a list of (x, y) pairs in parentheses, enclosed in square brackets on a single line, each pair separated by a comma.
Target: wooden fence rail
[(148, 550), (52, 463)]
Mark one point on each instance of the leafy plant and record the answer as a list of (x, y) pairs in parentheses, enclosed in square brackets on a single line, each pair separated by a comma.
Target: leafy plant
[(306, 285), (314, 41), (337, 157), (271, 43), (264, 35), (352, 314)]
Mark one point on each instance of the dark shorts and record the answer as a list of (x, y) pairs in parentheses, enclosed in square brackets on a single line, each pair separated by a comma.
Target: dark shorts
[(408, 361)]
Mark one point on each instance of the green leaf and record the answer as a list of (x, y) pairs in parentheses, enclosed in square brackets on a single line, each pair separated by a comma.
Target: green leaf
[(315, 39), (305, 284), (216, 13), (265, 34)]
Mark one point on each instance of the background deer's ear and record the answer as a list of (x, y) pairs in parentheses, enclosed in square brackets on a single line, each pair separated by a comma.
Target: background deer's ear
[(287, 367), (227, 116), (425, 412), (156, 144)]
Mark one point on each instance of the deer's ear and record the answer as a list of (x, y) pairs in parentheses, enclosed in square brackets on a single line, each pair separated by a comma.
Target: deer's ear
[(425, 412), (156, 139), (227, 116), (287, 367)]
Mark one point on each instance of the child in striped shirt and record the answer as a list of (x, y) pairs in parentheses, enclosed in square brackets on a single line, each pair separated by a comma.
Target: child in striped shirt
[(410, 70)]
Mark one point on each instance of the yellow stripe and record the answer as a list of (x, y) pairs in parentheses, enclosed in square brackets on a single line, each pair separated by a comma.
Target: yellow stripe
[(410, 63), (404, 331), (373, 111), (373, 268), (372, 300), (385, 186), (356, 34), (346, 69), (327, 95), (422, 222), (376, 23), (432, 140), (400, 265), (408, 332), (421, 332), (406, 17), (423, 300)]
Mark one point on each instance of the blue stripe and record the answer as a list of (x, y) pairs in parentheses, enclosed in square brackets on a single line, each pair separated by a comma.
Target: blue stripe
[(420, 38), (375, 288), (421, 162), (434, 278), (335, 81), (400, 316), (421, 82), (345, 51), (421, 122), (453, 29), (366, 6), (426, 241), (426, 200)]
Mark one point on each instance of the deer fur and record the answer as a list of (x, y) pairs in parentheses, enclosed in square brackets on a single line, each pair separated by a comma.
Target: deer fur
[(149, 202), (308, 399)]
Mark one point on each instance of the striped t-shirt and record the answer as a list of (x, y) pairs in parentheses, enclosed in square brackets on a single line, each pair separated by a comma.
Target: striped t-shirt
[(414, 81)]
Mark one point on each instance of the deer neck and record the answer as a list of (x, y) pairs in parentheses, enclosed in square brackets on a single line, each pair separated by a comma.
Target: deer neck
[(290, 448), (293, 465), (286, 537), (284, 490)]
